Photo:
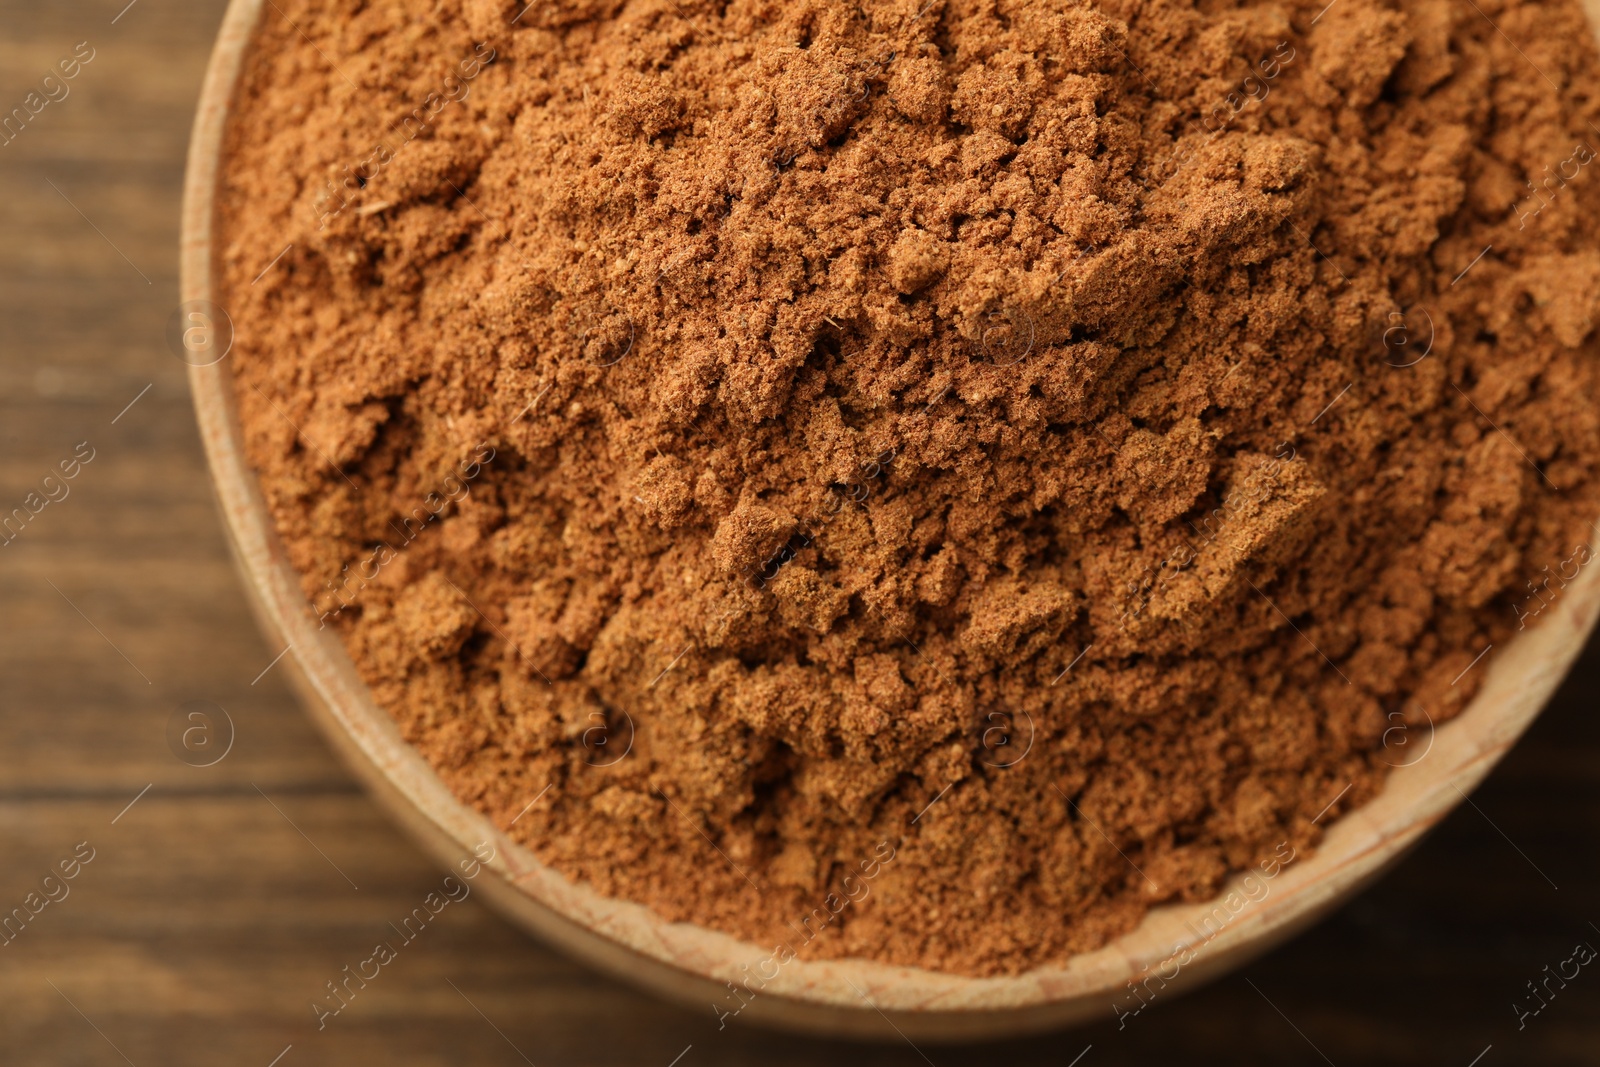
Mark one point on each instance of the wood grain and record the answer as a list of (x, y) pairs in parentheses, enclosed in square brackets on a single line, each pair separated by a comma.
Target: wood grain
[(207, 922)]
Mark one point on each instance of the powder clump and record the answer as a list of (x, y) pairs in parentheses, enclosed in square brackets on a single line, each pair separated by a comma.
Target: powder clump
[(1059, 440)]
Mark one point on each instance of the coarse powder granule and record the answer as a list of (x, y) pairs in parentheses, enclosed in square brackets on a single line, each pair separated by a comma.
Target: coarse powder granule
[(1066, 447)]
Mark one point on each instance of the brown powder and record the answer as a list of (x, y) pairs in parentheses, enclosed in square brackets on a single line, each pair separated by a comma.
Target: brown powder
[(1062, 441)]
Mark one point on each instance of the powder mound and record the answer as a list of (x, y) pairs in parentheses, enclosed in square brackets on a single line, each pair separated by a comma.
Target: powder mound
[(1037, 452)]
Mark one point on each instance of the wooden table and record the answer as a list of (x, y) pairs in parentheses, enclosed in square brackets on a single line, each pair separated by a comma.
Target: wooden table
[(221, 901)]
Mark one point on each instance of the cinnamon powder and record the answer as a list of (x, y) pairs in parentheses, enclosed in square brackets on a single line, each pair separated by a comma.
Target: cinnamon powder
[(1059, 443)]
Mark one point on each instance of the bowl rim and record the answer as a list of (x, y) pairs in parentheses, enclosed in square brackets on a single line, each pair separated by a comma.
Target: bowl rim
[(693, 964)]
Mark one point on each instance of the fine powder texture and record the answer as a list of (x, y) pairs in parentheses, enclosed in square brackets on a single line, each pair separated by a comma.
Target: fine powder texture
[(1046, 456)]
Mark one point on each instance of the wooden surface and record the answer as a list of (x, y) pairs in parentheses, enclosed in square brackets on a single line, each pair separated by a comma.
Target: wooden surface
[(219, 904)]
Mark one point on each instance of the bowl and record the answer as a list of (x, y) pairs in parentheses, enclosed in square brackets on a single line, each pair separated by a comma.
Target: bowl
[(1177, 946)]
